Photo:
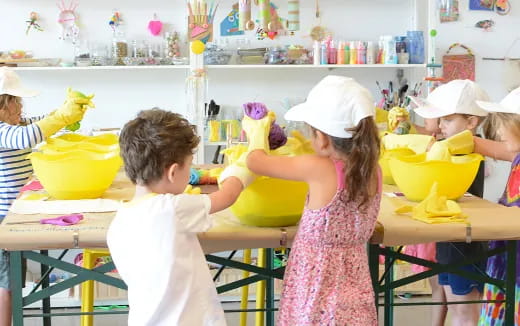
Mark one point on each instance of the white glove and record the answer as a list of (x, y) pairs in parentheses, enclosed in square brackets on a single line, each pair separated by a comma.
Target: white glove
[(245, 176)]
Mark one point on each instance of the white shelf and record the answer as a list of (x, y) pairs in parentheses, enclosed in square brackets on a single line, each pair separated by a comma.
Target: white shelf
[(216, 143), (315, 66), (158, 67), (266, 67)]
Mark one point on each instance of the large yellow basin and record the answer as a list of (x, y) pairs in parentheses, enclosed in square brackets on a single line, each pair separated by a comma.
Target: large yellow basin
[(415, 176), (385, 157), (100, 144), (271, 202), (76, 174)]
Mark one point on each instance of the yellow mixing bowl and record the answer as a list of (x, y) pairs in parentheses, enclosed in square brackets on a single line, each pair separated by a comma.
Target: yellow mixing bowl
[(385, 157), (271, 202), (76, 174), (415, 176), (100, 144)]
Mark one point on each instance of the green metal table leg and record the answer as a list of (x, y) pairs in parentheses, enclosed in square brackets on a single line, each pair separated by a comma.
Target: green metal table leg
[(389, 292), (269, 290), (373, 263), (46, 303), (510, 282), (15, 270)]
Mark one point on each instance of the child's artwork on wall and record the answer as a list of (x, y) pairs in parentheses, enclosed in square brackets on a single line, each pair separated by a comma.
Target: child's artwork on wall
[(481, 5), (229, 26)]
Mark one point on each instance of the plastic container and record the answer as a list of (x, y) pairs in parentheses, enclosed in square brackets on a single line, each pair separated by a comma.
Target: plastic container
[(390, 53), (324, 58), (415, 176), (105, 143), (316, 51), (371, 54), (353, 52), (385, 157), (76, 174), (361, 53), (341, 53), (400, 44), (332, 53), (277, 55), (347, 53), (415, 46)]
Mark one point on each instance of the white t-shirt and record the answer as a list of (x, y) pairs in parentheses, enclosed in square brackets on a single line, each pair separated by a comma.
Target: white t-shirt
[(153, 242)]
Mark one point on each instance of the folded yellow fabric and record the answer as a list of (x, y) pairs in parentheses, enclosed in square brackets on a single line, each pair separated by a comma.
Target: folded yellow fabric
[(192, 190), (438, 152), (417, 143), (435, 209), (461, 143)]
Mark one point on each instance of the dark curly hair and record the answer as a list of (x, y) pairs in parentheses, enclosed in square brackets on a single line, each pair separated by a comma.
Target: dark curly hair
[(153, 141)]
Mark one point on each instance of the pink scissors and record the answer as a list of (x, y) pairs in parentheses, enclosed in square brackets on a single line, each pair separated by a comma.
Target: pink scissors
[(64, 220)]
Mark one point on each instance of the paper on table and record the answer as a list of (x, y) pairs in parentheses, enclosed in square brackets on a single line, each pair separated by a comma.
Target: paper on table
[(64, 206)]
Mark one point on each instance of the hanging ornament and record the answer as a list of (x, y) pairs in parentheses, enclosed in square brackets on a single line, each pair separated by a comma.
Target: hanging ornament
[(68, 21), (155, 26), (293, 18), (485, 24), (32, 23), (115, 20)]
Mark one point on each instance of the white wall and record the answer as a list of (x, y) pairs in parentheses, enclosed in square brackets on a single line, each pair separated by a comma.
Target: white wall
[(120, 94)]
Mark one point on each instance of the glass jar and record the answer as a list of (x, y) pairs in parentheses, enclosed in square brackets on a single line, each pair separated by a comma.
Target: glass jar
[(277, 55), (99, 54), (171, 45), (82, 54), (400, 44), (119, 47), (415, 45)]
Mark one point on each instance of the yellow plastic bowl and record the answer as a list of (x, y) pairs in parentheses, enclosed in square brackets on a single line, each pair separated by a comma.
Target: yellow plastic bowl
[(415, 176), (385, 157), (100, 144), (76, 174), (271, 202)]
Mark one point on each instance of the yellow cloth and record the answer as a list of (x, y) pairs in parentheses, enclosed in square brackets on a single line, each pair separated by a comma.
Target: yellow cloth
[(192, 190), (461, 143), (435, 209), (417, 143), (438, 152)]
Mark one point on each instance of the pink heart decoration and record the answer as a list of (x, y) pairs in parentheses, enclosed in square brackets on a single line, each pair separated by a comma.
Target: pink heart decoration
[(155, 27), (272, 35)]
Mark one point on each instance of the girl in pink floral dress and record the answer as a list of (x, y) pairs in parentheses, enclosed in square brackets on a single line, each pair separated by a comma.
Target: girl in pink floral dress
[(327, 279)]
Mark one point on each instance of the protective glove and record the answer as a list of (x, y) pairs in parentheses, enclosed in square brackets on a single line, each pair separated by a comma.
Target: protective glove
[(461, 143), (243, 174), (417, 143), (68, 114), (258, 131), (190, 190)]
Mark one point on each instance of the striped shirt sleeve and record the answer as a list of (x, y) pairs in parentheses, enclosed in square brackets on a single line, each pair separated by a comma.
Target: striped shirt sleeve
[(20, 137), (28, 121)]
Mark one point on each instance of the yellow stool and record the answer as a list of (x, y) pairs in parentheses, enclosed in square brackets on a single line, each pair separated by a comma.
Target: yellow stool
[(87, 288)]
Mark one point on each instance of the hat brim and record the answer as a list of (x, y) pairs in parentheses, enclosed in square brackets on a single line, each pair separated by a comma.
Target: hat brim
[(494, 107), (300, 112), (21, 92), (427, 110)]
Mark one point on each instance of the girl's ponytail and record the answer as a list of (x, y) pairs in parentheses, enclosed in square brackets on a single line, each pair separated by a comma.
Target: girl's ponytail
[(362, 156)]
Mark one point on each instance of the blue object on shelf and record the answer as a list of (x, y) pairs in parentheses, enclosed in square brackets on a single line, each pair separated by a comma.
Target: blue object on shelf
[(415, 46)]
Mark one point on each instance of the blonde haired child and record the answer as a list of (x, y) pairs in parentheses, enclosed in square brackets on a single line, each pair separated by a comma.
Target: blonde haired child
[(505, 117), (18, 136), (327, 280)]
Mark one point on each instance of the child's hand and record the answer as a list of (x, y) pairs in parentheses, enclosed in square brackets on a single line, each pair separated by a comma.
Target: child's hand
[(258, 131), (242, 173), (68, 113)]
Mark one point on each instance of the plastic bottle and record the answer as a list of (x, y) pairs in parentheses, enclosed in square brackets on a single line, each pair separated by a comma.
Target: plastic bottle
[(353, 52), (390, 53), (362, 54), (316, 50), (333, 53), (370, 54), (381, 51), (323, 53), (341, 53), (347, 53)]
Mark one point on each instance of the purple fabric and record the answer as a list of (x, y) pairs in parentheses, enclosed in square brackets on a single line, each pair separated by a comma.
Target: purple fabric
[(277, 137), (255, 110)]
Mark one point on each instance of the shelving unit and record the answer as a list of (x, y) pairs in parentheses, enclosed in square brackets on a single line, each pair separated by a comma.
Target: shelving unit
[(224, 67)]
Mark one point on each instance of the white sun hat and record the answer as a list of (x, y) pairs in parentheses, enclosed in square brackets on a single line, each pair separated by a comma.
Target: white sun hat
[(456, 97), (335, 104), (510, 103), (11, 84)]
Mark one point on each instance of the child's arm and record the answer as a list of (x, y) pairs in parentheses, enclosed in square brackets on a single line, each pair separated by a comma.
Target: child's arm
[(19, 137), (495, 149), (228, 192), (298, 168)]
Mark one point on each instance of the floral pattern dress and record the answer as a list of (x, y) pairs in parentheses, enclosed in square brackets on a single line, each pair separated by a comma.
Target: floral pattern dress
[(327, 280)]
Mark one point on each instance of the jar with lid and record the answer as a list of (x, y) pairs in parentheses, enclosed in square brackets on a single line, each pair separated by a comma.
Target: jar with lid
[(119, 47), (171, 45), (400, 44), (82, 54), (415, 45), (99, 54)]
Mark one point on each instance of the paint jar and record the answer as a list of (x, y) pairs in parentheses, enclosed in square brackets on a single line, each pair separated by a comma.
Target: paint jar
[(415, 46)]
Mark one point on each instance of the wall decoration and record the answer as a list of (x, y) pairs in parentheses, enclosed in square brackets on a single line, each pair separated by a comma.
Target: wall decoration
[(481, 5), (200, 21), (32, 23), (68, 21), (230, 25)]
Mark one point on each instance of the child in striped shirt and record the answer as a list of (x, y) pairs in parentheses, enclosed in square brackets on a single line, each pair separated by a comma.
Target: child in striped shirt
[(17, 137)]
